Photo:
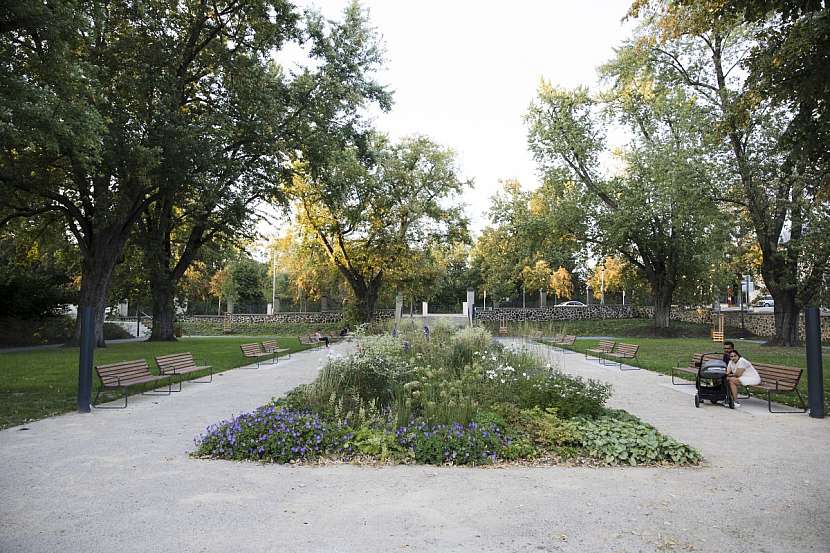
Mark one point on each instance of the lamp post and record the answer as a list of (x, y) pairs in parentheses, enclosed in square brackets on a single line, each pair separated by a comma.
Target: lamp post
[(273, 280), (602, 285)]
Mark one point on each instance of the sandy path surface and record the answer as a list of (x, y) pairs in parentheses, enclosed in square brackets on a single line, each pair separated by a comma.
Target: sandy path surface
[(122, 481)]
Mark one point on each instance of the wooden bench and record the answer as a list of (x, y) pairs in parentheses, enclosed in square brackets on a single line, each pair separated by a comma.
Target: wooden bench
[(181, 364), (566, 340), (777, 379), (693, 366), (120, 376), (604, 347), (271, 346), (309, 341), (623, 351), (255, 351)]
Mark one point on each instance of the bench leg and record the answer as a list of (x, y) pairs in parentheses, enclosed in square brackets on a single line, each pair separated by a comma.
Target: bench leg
[(630, 367), (684, 383), (95, 401), (800, 399), (208, 381), (155, 392)]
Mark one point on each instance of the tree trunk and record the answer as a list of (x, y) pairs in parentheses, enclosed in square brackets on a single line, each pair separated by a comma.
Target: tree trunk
[(366, 300), (662, 293), (96, 275), (787, 319), (542, 298), (163, 288)]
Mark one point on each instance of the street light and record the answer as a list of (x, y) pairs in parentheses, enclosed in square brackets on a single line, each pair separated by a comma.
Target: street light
[(602, 285)]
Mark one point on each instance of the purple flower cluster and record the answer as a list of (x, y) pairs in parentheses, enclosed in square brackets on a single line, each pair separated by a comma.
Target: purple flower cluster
[(454, 443), (272, 433)]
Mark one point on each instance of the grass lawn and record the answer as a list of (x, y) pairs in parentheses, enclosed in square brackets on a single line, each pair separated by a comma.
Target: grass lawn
[(660, 354), (42, 383), (642, 328)]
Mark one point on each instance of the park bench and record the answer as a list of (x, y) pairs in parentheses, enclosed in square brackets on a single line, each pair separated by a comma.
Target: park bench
[(255, 351), (623, 351), (604, 347), (693, 366), (566, 340), (271, 346), (122, 375), (778, 379), (181, 364), (309, 340)]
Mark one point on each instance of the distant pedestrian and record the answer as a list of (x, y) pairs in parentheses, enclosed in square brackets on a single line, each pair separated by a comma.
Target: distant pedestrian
[(426, 332), (321, 338)]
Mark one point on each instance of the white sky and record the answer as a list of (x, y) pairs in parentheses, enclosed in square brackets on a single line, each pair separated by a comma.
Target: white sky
[(464, 72)]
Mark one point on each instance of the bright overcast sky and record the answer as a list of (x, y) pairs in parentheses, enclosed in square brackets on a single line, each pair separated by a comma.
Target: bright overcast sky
[(463, 73)]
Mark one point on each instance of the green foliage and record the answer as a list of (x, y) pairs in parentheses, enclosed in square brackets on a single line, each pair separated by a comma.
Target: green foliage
[(273, 434), (371, 375), (630, 441), (456, 443), (374, 216), (377, 442)]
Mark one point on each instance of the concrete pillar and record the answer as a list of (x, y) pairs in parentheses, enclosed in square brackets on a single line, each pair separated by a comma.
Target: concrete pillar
[(398, 309), (424, 308)]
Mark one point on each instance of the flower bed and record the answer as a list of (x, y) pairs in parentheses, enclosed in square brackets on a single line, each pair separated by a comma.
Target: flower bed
[(459, 399)]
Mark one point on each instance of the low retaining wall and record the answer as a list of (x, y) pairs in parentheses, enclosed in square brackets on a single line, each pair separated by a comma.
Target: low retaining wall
[(564, 313), (760, 324), (288, 317)]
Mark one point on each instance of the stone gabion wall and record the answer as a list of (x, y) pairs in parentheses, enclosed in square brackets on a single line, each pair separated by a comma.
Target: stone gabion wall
[(760, 324), (570, 313), (292, 317)]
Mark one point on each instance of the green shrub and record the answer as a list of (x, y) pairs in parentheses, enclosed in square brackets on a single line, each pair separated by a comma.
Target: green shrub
[(376, 442), (352, 382), (533, 387), (455, 444), (275, 434), (616, 441)]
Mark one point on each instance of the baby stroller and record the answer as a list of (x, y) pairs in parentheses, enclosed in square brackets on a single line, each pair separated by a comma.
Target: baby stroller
[(711, 383)]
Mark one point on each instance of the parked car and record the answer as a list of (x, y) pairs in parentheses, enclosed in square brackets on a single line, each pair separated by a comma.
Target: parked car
[(572, 303), (765, 301)]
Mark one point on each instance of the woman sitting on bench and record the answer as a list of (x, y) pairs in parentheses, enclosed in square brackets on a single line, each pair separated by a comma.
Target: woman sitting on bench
[(740, 371)]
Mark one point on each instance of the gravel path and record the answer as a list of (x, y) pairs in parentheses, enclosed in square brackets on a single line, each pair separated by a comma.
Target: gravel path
[(121, 481)]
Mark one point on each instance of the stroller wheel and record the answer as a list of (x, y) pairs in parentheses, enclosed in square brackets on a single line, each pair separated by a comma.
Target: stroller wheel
[(697, 401)]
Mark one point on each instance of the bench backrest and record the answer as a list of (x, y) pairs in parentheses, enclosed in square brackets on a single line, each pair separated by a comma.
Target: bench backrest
[(699, 358), (606, 346), (270, 345), (175, 361), (786, 377), (124, 370), (251, 350), (626, 350)]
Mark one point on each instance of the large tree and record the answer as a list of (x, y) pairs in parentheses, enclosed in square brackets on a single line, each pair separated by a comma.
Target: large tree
[(229, 152), (369, 213), (759, 73), (653, 209), (73, 141)]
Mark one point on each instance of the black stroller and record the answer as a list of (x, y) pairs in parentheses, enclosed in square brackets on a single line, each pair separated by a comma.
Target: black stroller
[(711, 383)]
